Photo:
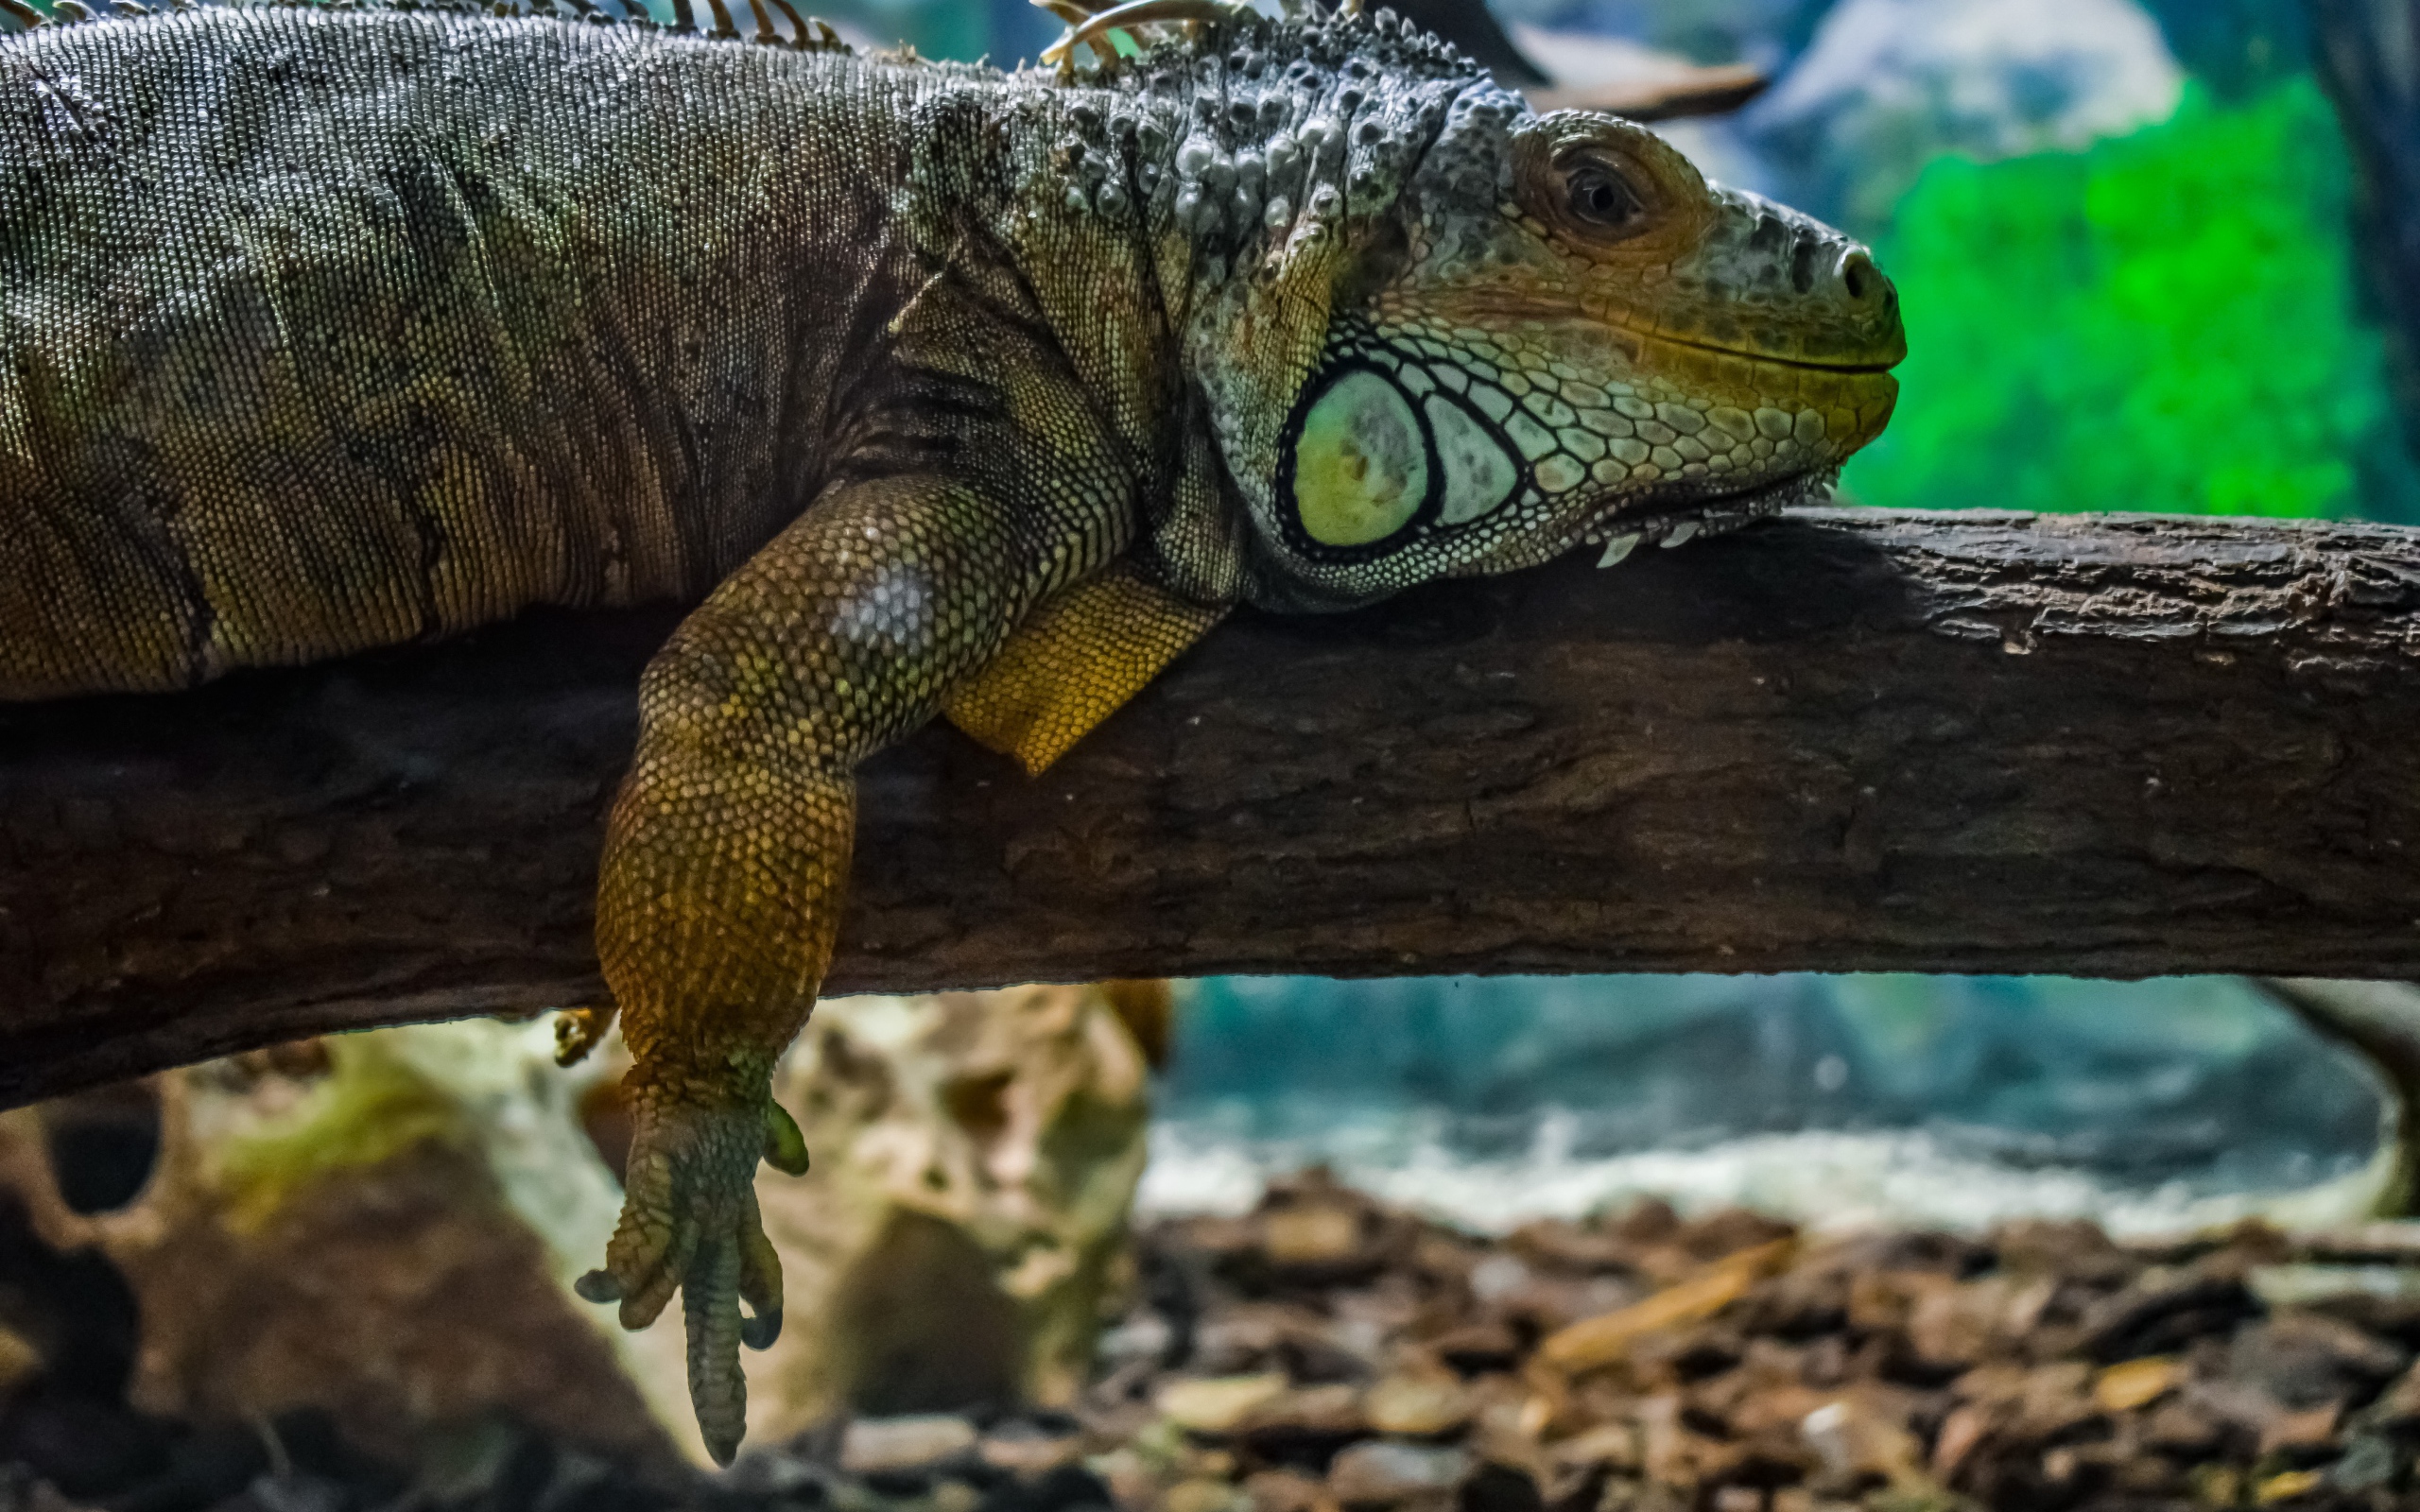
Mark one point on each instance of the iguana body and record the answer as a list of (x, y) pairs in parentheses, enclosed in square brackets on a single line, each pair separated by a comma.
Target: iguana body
[(943, 389)]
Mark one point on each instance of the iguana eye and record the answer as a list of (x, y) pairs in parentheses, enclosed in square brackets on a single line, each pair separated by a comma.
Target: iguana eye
[(1595, 193), (1599, 197)]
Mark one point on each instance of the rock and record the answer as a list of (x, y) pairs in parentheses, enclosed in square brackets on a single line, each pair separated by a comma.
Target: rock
[(1299, 1420), (1386, 1472), (1495, 1486), (2161, 1313), (2288, 1486), (891, 1445), (784, 1471), (1417, 1406), (2071, 1248), (1310, 1238), (1282, 1491), (386, 1228), (1477, 1348), (2182, 1431), (22, 1491), (2290, 1431), (20, 1362), (1204, 1494), (2306, 1361), (1961, 1324), (478, 1464), (2398, 1406), (292, 1492), (1024, 1448), (1067, 1488), (1816, 1390), (1857, 1435), (2391, 1292), (1811, 1390), (1612, 1445), (2370, 1463), (1218, 1405), (964, 1223)]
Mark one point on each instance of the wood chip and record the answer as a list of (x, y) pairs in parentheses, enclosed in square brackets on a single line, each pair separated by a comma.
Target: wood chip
[(1599, 1341), (2137, 1382)]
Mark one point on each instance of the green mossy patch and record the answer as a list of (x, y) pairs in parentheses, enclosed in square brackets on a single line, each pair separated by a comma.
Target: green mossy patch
[(2166, 321), (374, 1105)]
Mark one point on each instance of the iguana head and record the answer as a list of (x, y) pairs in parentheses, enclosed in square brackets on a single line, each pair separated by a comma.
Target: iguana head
[(1449, 336)]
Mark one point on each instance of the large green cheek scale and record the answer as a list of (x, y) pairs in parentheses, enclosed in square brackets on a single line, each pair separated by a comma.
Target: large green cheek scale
[(1478, 475), (1360, 462)]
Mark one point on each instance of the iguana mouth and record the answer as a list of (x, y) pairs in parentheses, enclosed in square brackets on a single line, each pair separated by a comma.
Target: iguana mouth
[(1766, 359), (1677, 522)]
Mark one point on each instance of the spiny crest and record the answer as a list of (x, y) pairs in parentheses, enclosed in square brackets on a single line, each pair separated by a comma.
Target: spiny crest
[(1248, 130), (1172, 33), (777, 22)]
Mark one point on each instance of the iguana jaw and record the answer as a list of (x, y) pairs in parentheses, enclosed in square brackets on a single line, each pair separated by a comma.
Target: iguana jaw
[(1832, 411), (1678, 522)]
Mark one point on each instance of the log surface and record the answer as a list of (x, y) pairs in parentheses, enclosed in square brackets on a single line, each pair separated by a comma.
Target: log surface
[(1843, 741)]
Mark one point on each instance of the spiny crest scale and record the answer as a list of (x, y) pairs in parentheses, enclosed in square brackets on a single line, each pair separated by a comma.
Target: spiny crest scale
[(1172, 35)]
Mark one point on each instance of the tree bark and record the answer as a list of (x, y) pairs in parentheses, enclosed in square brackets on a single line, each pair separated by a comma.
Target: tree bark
[(1844, 741)]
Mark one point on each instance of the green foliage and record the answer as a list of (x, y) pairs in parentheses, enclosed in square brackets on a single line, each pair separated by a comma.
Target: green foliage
[(2164, 321)]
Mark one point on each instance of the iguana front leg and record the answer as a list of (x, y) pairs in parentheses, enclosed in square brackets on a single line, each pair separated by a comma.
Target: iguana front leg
[(729, 847), (726, 856)]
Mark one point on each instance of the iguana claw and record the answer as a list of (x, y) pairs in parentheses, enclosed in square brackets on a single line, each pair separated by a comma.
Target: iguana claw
[(690, 1224), (578, 1031)]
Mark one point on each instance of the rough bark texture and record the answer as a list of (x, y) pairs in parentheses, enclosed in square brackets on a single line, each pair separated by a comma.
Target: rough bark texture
[(1843, 741)]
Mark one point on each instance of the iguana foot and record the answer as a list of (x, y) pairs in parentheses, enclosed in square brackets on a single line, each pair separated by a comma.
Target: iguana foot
[(690, 1223)]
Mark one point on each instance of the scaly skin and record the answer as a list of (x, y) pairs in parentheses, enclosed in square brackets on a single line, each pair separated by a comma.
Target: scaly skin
[(945, 391)]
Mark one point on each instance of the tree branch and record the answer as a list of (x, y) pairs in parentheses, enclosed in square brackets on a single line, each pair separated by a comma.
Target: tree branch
[(2380, 1021), (1846, 741)]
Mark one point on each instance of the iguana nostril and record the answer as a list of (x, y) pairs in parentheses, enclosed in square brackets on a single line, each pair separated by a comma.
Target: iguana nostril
[(1866, 283)]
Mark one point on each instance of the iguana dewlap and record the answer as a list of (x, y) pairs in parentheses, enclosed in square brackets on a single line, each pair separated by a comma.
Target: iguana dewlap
[(938, 390)]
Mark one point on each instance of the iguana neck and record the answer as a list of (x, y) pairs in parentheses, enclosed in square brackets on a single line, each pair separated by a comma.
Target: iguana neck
[(1279, 158)]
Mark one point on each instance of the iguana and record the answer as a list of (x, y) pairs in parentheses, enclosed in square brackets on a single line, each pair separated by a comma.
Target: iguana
[(938, 389)]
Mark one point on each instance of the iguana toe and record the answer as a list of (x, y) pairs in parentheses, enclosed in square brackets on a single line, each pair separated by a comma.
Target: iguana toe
[(717, 1390), (760, 1285), (690, 1224)]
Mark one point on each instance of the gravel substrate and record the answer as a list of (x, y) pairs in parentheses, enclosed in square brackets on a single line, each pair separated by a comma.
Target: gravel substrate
[(1328, 1354)]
